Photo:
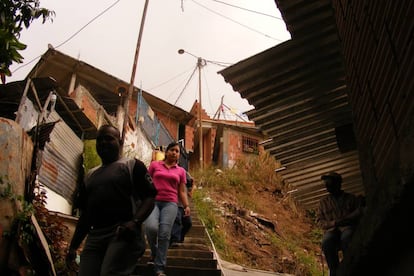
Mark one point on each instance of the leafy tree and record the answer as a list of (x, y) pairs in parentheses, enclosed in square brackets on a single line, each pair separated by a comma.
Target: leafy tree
[(14, 15)]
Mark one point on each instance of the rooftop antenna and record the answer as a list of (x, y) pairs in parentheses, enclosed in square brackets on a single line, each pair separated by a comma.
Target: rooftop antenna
[(220, 110)]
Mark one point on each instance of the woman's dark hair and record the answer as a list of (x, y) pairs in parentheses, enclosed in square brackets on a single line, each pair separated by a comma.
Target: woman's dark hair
[(173, 144)]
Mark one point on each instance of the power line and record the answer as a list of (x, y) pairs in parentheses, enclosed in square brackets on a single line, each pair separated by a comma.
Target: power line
[(72, 36), (257, 12), (219, 63), (234, 21), (208, 89), (171, 79), (185, 86), (87, 24)]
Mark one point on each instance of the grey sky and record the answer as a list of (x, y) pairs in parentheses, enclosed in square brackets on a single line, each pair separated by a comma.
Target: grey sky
[(205, 28)]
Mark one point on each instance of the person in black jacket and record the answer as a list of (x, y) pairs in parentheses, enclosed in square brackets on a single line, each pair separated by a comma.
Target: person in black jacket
[(182, 223), (115, 198)]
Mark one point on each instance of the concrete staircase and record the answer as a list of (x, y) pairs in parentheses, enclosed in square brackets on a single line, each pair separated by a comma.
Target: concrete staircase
[(194, 257)]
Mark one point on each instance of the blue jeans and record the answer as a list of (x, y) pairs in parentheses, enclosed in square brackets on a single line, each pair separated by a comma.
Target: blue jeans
[(158, 229), (332, 242), (106, 254)]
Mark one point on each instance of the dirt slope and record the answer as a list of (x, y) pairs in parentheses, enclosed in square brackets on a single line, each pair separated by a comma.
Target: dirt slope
[(262, 228)]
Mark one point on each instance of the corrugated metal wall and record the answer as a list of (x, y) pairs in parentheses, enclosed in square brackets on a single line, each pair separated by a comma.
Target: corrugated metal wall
[(299, 92), (152, 126), (61, 159)]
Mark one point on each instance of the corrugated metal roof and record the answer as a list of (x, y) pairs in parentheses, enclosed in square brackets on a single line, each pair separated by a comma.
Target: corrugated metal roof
[(11, 94), (299, 93), (103, 86)]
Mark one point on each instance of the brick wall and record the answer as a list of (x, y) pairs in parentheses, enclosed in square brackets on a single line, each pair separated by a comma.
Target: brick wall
[(378, 47), (378, 50)]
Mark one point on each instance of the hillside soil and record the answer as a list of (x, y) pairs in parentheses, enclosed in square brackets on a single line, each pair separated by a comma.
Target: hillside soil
[(264, 229)]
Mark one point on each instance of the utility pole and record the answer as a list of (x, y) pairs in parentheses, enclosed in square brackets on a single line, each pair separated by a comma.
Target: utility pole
[(200, 63), (134, 69), (200, 121)]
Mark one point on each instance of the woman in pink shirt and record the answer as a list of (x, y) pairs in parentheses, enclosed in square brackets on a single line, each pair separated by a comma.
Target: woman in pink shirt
[(169, 179)]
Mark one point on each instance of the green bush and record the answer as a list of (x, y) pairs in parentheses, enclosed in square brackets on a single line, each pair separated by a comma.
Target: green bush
[(90, 157)]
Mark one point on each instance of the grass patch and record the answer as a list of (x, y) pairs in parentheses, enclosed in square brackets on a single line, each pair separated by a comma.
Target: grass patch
[(242, 187), (208, 214)]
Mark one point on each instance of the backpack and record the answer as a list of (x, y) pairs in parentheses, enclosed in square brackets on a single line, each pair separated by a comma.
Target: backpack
[(135, 201)]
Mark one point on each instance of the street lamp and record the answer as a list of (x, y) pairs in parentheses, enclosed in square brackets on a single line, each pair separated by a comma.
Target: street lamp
[(200, 63)]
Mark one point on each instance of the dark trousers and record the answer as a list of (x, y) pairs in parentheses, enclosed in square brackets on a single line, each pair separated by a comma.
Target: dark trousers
[(332, 243), (182, 225), (106, 254)]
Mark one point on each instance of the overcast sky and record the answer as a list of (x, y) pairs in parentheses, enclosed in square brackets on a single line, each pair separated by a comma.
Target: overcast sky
[(104, 34)]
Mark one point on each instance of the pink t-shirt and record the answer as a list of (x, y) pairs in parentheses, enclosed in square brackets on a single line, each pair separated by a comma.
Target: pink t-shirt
[(166, 180)]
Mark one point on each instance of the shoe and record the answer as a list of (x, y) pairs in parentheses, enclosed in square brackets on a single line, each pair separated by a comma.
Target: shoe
[(150, 261), (173, 241), (174, 245)]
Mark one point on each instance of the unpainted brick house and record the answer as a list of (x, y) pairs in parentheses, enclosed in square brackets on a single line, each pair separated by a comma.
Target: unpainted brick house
[(85, 97)]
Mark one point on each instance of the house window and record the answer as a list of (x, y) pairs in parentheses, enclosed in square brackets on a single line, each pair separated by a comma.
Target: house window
[(250, 145)]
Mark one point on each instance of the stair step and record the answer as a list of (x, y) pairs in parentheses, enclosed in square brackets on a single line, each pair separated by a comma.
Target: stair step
[(179, 271), (184, 261), (193, 257), (194, 239), (191, 253), (197, 231), (201, 245), (197, 223), (185, 253)]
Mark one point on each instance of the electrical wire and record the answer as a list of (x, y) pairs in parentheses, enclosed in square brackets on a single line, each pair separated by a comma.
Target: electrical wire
[(87, 24), (174, 91), (171, 79), (72, 36), (203, 75), (238, 7), (234, 21), (186, 84), (219, 63)]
